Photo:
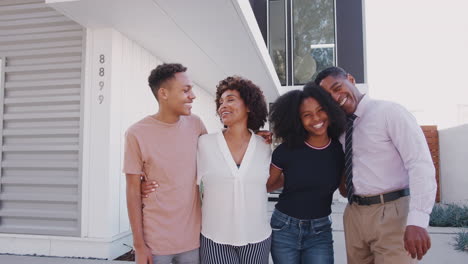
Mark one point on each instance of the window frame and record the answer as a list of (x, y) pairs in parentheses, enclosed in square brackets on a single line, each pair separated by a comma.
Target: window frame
[(291, 35), (349, 36)]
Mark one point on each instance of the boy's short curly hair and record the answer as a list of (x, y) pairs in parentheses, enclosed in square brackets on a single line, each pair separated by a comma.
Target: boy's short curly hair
[(162, 73), (252, 96)]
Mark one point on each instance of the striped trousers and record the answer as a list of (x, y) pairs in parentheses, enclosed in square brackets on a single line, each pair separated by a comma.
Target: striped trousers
[(215, 253)]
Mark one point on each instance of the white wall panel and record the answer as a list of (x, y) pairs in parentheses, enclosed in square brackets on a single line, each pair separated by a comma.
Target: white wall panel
[(40, 120)]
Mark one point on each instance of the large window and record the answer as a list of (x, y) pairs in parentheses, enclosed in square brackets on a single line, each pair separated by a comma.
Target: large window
[(277, 40), (308, 28), (313, 38), (303, 37)]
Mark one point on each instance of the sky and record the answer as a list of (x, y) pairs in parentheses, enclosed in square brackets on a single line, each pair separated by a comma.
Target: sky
[(417, 55)]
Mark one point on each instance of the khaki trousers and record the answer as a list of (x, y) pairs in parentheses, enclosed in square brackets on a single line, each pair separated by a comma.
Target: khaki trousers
[(374, 233)]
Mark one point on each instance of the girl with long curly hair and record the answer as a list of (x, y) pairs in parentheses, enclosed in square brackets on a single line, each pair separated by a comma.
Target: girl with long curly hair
[(309, 164)]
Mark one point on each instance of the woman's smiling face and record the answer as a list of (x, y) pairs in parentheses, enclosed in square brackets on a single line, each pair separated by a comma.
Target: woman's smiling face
[(232, 108)]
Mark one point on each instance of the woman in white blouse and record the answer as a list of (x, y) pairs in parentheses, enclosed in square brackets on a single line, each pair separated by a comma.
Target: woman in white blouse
[(233, 166)]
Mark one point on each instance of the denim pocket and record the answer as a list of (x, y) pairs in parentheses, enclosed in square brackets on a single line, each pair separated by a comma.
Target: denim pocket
[(277, 224), (321, 228)]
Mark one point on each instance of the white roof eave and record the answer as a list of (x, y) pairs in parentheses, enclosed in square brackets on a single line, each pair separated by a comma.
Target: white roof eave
[(213, 38)]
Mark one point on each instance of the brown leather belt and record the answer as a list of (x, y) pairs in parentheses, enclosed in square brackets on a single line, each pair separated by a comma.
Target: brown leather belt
[(382, 198)]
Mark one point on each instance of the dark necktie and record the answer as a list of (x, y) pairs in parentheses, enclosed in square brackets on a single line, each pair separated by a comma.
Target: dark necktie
[(349, 157)]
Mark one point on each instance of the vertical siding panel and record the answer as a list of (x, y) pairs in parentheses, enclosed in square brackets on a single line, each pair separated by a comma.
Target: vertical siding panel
[(40, 121)]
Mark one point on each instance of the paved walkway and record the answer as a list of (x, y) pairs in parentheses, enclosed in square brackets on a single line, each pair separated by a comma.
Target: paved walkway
[(441, 251)]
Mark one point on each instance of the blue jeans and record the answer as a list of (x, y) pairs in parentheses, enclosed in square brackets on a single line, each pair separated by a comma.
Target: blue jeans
[(301, 241)]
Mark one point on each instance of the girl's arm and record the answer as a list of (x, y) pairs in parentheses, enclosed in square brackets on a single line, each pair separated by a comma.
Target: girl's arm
[(276, 179), (342, 186)]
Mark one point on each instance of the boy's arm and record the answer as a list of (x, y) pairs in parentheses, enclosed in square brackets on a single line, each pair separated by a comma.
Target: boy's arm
[(266, 135), (134, 205)]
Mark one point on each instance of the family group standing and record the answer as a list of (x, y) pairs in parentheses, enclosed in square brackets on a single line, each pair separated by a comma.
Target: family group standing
[(332, 137)]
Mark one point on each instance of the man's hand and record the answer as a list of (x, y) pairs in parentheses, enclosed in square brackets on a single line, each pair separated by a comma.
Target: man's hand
[(266, 135), (143, 255), (148, 187), (417, 241)]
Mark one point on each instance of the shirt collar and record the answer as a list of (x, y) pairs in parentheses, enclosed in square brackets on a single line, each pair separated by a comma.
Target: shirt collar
[(361, 107)]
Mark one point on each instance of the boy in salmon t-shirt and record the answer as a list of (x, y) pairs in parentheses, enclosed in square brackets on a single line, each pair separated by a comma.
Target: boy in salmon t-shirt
[(162, 148)]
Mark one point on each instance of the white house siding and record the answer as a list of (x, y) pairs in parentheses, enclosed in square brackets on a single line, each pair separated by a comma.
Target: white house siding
[(454, 164), (45, 165), (40, 132)]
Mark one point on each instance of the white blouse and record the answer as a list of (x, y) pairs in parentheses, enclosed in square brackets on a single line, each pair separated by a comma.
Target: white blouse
[(234, 208)]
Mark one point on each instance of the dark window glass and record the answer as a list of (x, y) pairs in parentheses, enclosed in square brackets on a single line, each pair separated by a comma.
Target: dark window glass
[(313, 38), (277, 37)]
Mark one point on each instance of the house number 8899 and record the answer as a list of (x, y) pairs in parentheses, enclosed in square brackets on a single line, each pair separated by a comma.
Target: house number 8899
[(102, 60)]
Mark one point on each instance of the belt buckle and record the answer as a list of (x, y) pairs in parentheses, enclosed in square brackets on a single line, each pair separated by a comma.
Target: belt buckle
[(382, 201), (357, 199)]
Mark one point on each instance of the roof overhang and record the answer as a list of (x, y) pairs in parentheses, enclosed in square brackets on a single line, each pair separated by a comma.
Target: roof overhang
[(213, 38)]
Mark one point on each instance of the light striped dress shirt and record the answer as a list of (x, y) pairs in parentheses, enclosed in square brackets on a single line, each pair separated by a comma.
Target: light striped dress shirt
[(390, 153)]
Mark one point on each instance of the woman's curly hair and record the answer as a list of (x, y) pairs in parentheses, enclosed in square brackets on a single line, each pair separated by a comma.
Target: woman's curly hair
[(286, 121), (252, 96)]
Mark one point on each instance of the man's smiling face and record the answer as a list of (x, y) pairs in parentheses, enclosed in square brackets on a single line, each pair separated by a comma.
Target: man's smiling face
[(343, 91)]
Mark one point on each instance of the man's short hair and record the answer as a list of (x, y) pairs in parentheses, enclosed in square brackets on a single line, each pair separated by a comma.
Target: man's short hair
[(162, 73), (330, 71)]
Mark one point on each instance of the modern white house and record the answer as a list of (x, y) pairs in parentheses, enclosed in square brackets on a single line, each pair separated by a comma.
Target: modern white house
[(73, 77)]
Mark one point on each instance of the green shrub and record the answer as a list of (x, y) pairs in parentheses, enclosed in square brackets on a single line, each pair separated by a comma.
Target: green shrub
[(449, 215), (461, 241)]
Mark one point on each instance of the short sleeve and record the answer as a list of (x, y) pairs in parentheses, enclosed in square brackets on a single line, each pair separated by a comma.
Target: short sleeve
[(199, 125), (202, 128), (278, 157), (133, 161)]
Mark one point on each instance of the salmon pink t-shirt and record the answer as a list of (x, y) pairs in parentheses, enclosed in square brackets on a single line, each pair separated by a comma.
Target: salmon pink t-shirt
[(166, 153)]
